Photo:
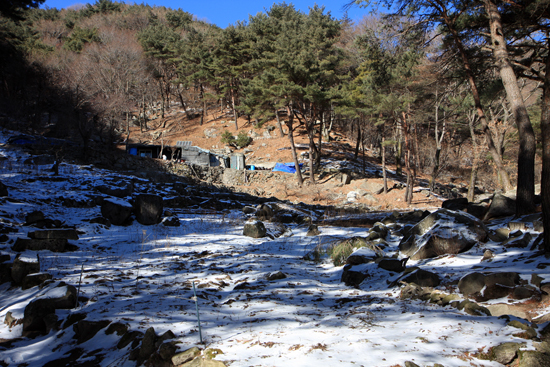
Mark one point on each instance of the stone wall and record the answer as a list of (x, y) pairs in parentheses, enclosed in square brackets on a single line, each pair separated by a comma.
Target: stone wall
[(160, 170)]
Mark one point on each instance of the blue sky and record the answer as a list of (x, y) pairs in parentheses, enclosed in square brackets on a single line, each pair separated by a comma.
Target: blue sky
[(224, 12)]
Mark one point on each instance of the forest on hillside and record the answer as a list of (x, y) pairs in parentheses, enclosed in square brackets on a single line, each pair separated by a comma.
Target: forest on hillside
[(442, 88)]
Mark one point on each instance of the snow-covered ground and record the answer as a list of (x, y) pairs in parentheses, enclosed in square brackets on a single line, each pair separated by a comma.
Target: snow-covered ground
[(143, 276)]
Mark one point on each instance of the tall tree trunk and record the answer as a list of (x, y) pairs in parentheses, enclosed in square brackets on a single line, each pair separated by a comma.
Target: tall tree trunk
[(477, 153), (505, 180), (311, 159), (526, 158), (399, 149), (438, 141), (410, 180), (279, 123), (384, 175), (234, 110), (203, 113), (320, 140), (290, 126), (545, 127), (161, 99), (359, 138)]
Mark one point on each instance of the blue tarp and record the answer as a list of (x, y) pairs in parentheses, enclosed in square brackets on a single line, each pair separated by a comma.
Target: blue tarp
[(285, 167)]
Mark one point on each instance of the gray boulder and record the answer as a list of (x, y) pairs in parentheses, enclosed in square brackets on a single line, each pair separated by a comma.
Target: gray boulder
[(471, 283), (352, 278), (472, 308), (34, 217), (455, 204), (32, 280), (148, 209), (117, 211), (3, 190), (53, 245), (501, 206), (39, 311), (521, 241), (48, 234), (313, 230), (186, 356), (422, 278), (531, 358), (23, 266), (264, 212), (500, 309), (277, 275), (85, 330), (393, 265), (171, 222), (254, 229), (486, 287), (365, 251), (507, 279), (373, 186), (120, 192), (443, 232), (506, 352)]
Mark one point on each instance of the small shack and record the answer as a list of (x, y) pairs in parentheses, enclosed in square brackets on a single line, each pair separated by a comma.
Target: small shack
[(182, 152)]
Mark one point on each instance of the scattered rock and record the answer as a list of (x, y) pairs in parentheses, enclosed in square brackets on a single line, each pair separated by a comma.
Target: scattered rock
[(522, 292), (148, 209), (530, 358), (495, 285), (455, 204), (118, 328), (395, 265), (506, 352), (73, 318), (117, 211), (352, 278), (414, 291), (422, 278), (487, 255), (186, 356), (148, 345), (521, 241), (85, 330), (254, 229), (528, 331), (33, 280), (471, 283), (501, 206), (372, 187), (313, 230), (437, 234), (53, 245), (171, 221), (507, 279), (11, 321), (264, 212), (34, 217), (472, 308), (48, 234), (36, 313), (129, 337), (346, 179), (275, 276), (119, 192), (3, 190), (23, 266), (500, 309)]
